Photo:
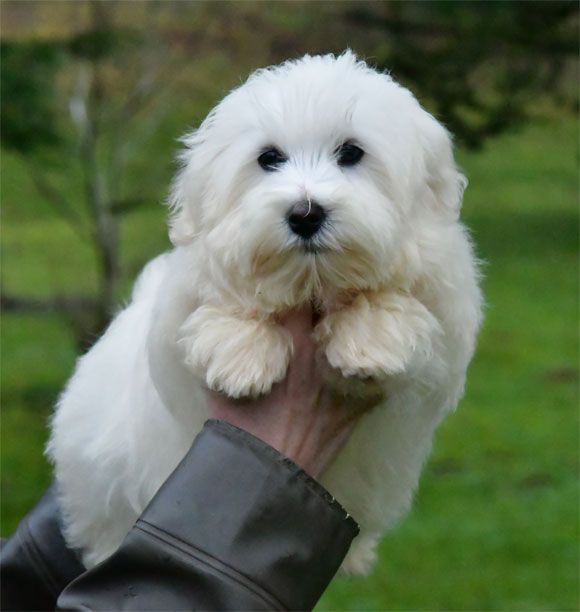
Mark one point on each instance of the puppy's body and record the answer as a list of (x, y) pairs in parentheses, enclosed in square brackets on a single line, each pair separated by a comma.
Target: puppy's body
[(391, 269)]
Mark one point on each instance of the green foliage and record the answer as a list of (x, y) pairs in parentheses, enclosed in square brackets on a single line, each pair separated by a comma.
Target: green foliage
[(495, 525), (103, 43), (32, 99), (479, 66), (28, 116)]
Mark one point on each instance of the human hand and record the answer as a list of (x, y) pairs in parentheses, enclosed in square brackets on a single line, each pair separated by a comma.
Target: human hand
[(300, 417)]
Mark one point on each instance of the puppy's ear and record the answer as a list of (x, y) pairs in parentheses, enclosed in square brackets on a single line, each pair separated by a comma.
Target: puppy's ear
[(185, 198), (445, 183), (182, 224)]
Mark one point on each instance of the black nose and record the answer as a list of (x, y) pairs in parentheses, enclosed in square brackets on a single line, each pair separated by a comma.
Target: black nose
[(306, 218)]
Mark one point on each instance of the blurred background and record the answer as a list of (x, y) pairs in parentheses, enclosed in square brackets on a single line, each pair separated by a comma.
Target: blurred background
[(94, 98)]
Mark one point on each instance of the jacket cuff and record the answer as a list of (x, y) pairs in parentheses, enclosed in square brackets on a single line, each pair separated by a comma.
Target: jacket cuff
[(263, 517)]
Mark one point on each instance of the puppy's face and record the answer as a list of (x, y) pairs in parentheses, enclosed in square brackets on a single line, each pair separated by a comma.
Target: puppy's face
[(308, 180)]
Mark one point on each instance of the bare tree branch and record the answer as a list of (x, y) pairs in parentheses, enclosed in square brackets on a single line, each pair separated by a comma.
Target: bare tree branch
[(59, 303), (56, 199)]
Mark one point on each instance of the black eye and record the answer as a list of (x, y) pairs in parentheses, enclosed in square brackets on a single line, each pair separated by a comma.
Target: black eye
[(270, 159), (349, 154)]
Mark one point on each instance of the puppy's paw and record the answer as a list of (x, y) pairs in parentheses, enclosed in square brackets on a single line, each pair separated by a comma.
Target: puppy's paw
[(237, 357), (378, 335), (361, 557)]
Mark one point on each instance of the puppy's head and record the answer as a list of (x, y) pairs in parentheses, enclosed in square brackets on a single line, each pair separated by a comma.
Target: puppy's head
[(309, 180)]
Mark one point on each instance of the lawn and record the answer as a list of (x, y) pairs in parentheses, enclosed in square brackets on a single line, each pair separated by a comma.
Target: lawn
[(495, 523)]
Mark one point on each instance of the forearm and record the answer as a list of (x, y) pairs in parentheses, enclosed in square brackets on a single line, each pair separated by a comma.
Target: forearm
[(237, 526)]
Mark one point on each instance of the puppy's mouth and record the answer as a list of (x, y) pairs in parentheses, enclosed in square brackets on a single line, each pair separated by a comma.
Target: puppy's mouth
[(313, 247), (318, 244)]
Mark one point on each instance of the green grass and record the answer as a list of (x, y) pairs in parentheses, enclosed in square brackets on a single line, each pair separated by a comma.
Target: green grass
[(495, 523)]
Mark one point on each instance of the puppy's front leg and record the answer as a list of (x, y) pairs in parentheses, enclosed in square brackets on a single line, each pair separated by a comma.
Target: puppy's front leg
[(241, 357), (379, 334)]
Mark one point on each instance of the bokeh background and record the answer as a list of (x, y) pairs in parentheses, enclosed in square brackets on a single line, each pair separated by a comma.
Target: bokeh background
[(94, 98)]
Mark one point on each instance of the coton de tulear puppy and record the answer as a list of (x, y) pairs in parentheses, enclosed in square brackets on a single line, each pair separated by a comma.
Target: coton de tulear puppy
[(321, 181)]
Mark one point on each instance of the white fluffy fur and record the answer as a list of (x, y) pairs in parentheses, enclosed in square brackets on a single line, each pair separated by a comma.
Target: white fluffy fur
[(395, 276)]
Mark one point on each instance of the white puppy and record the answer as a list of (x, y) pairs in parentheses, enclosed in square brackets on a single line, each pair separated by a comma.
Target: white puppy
[(322, 181)]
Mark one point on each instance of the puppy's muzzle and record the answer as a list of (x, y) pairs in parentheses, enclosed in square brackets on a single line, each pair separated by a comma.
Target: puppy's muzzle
[(306, 218)]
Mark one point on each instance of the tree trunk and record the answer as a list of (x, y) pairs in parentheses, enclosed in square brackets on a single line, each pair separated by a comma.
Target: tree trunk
[(107, 249)]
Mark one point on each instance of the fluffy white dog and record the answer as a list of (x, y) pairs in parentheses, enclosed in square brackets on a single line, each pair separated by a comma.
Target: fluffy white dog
[(321, 181)]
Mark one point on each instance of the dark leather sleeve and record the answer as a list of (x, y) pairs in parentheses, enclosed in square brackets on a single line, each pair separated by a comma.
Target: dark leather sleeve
[(237, 526), (35, 564)]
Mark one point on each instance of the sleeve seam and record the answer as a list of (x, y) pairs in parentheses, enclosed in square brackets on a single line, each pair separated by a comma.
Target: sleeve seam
[(209, 560)]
